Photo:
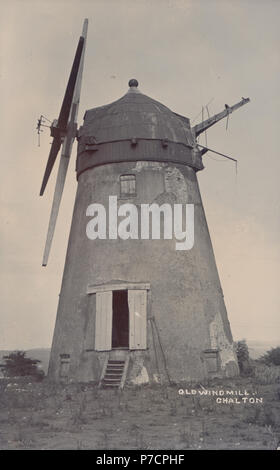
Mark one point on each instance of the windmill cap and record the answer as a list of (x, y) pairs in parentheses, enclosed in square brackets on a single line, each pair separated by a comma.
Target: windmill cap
[(135, 127), (136, 115)]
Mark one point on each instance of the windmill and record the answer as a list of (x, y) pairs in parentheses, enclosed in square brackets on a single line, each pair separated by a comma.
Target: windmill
[(133, 309)]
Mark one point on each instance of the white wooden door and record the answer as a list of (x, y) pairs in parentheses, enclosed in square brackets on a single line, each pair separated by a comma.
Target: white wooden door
[(103, 323), (137, 304)]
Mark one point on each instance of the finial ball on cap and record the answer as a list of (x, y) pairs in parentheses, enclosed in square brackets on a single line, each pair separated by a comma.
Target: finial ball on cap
[(133, 82)]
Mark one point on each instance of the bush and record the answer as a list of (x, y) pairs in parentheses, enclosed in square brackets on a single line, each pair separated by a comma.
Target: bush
[(271, 357), (266, 375), (16, 364), (242, 353)]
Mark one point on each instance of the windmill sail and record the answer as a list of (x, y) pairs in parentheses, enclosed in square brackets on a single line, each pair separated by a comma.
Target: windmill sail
[(70, 126), (60, 128)]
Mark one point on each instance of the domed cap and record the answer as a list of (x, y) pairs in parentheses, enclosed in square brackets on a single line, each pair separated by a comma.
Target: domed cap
[(136, 115)]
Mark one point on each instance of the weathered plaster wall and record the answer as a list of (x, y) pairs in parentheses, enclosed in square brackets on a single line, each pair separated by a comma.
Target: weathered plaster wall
[(186, 300)]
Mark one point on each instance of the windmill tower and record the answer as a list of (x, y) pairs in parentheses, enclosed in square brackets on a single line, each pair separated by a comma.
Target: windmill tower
[(135, 310)]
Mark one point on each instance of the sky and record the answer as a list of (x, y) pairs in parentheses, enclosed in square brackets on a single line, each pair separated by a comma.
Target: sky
[(185, 54)]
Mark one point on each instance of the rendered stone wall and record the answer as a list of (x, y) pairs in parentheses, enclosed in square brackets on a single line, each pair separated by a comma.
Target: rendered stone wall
[(186, 304)]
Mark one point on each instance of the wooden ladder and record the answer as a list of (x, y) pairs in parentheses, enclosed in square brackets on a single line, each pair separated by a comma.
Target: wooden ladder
[(114, 374)]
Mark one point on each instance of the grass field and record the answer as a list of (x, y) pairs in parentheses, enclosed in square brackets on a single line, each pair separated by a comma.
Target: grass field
[(81, 416)]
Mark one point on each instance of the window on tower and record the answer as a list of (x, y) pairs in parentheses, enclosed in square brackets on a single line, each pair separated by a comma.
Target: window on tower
[(127, 185), (64, 365), (212, 360)]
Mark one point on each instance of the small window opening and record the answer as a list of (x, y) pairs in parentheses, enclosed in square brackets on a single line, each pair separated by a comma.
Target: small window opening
[(64, 365), (212, 360), (128, 185), (120, 333)]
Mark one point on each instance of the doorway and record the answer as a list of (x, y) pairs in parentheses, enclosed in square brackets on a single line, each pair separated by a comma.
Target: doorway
[(120, 321)]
